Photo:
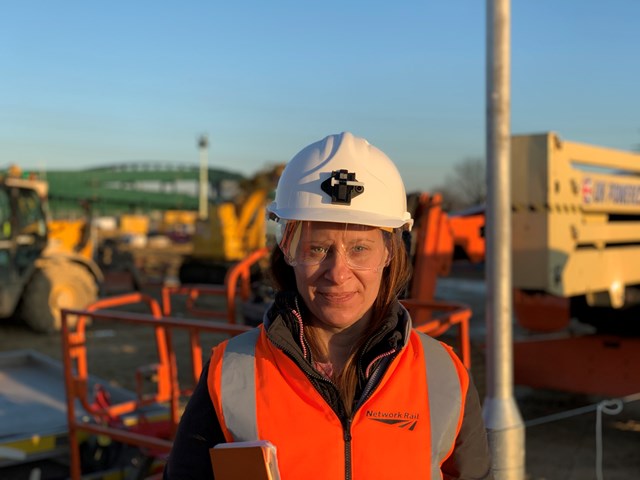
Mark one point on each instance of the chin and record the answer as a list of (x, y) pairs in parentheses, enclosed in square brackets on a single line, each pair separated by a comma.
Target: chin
[(335, 317)]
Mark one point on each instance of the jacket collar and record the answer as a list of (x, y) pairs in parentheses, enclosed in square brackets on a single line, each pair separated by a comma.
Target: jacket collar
[(282, 322)]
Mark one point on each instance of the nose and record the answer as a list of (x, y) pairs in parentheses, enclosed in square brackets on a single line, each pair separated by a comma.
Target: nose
[(336, 268)]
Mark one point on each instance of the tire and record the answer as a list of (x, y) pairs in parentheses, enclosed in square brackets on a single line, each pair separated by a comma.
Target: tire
[(55, 286)]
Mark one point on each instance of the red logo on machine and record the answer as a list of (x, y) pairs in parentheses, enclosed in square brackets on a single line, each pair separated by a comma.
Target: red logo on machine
[(587, 190)]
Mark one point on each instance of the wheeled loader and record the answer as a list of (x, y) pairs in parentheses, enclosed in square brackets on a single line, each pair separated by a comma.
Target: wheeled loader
[(45, 265)]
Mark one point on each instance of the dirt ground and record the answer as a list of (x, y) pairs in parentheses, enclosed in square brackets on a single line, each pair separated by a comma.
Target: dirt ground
[(564, 449)]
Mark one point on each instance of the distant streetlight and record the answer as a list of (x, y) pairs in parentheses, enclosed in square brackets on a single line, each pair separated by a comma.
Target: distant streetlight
[(203, 203)]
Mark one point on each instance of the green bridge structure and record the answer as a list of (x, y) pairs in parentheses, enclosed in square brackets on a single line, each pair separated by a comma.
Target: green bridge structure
[(132, 188)]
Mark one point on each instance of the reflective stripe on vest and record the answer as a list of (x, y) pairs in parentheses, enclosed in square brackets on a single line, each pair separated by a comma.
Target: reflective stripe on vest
[(444, 390), (239, 386), (238, 393)]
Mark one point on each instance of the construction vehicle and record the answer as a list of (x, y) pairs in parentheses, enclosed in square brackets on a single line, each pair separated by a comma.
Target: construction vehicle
[(576, 224), (576, 258), (178, 225), (232, 230), (576, 255), (45, 265)]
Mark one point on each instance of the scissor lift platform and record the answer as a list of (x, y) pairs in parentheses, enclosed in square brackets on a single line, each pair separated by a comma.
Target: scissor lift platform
[(33, 417)]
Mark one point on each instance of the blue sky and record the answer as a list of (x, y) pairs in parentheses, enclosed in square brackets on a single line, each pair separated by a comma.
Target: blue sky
[(89, 83)]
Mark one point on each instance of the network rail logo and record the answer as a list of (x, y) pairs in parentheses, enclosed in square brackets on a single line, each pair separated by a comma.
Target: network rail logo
[(406, 420)]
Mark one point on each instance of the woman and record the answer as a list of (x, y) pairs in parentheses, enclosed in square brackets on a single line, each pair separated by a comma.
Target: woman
[(335, 377)]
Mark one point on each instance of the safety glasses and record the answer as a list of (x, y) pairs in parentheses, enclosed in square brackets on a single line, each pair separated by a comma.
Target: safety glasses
[(311, 243)]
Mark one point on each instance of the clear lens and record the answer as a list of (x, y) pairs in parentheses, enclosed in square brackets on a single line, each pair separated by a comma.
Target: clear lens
[(310, 243)]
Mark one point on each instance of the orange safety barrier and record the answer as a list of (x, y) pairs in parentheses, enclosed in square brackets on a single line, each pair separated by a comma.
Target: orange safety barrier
[(76, 375), (160, 370), (453, 314), (193, 292), (237, 283)]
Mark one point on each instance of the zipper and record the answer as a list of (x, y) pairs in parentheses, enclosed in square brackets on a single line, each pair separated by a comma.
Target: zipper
[(366, 393), (346, 423), (374, 379), (347, 448), (309, 374)]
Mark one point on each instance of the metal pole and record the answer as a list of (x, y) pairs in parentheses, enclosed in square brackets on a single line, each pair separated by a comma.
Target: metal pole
[(502, 418), (203, 203)]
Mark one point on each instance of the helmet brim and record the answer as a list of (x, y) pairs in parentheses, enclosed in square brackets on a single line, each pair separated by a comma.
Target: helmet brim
[(346, 215)]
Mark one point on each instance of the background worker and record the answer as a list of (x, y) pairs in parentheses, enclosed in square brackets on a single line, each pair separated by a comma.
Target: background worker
[(336, 378)]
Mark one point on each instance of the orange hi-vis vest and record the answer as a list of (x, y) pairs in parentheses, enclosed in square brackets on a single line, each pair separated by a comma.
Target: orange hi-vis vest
[(404, 430)]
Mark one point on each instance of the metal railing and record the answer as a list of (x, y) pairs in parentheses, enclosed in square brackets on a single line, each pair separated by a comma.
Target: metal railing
[(168, 390), (451, 314)]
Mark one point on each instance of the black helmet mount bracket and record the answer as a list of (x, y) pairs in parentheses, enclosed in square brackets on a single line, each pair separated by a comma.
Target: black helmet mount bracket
[(342, 186)]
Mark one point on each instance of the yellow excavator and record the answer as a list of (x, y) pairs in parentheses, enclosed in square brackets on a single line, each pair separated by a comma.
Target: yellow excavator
[(45, 265), (231, 231)]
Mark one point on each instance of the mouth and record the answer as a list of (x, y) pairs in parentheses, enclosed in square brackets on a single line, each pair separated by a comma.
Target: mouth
[(337, 297)]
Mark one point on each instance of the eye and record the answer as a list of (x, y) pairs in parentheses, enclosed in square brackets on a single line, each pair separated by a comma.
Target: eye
[(360, 249), (317, 251)]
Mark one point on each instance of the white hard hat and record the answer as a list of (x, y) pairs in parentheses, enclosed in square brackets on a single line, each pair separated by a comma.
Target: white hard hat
[(342, 178)]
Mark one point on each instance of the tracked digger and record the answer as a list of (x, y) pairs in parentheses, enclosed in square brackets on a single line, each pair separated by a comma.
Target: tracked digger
[(45, 264), (232, 230)]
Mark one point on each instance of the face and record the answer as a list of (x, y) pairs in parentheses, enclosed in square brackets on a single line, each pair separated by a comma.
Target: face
[(337, 294)]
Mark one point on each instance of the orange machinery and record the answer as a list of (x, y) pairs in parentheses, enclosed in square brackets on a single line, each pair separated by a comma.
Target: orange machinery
[(576, 255)]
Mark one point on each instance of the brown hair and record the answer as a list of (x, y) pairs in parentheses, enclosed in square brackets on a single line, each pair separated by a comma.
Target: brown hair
[(395, 278)]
